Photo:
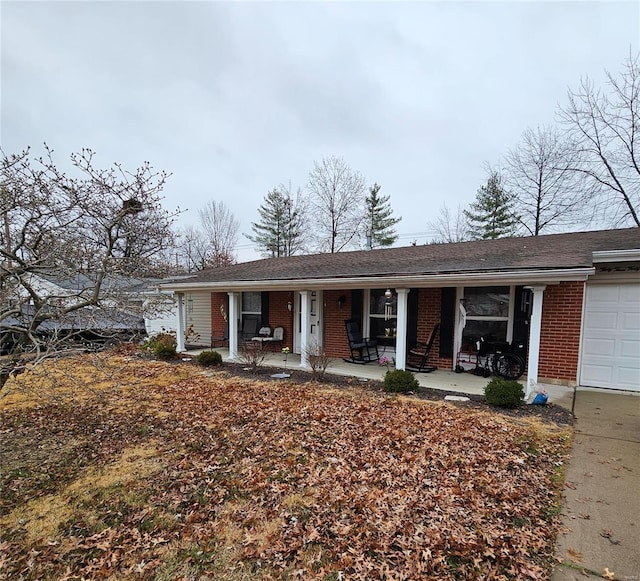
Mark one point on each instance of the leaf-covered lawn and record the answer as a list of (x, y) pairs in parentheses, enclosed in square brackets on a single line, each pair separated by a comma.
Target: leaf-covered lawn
[(159, 472)]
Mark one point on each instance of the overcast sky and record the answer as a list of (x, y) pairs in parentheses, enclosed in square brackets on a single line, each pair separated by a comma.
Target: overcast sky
[(235, 98)]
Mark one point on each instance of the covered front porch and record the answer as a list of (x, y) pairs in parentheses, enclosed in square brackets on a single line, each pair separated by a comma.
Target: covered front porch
[(396, 318), (447, 381)]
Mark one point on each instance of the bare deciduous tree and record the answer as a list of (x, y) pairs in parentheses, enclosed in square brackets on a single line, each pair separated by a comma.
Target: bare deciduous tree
[(450, 227), (221, 230), (69, 247), (605, 124), (193, 249), (337, 201), (538, 172)]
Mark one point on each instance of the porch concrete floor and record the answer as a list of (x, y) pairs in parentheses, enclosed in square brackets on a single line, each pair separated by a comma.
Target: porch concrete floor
[(463, 383)]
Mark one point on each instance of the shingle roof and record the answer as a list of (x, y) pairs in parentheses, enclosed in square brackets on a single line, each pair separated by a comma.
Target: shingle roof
[(554, 251)]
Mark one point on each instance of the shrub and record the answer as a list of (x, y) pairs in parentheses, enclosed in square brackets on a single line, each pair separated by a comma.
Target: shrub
[(506, 393), (162, 345), (165, 352), (318, 361), (209, 358), (400, 381), (251, 355)]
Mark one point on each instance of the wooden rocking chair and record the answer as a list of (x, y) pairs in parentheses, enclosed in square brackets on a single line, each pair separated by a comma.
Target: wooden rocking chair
[(418, 355)]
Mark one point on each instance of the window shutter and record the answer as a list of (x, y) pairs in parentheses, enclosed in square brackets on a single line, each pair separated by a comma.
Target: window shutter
[(412, 317), (264, 309), (356, 304), (447, 320), (521, 314)]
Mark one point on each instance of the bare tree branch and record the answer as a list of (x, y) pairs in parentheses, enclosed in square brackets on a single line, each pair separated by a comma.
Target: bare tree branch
[(605, 127), (450, 227), (221, 230), (538, 172), (337, 204), (68, 248)]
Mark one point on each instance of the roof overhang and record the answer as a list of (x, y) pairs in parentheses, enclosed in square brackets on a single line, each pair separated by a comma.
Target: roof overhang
[(488, 278)]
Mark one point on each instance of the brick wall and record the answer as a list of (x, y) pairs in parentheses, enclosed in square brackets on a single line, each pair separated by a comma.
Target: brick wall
[(561, 320), (218, 323), (280, 316), (428, 316), (560, 333), (335, 335), (335, 339)]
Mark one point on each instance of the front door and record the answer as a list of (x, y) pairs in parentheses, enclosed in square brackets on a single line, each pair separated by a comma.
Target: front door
[(314, 315)]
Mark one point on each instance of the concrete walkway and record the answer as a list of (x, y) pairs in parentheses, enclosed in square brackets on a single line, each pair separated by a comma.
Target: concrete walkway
[(462, 383), (601, 509)]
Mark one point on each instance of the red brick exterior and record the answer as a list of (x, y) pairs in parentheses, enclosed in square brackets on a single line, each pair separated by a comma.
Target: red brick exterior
[(218, 323), (280, 316), (335, 336), (428, 316), (560, 333)]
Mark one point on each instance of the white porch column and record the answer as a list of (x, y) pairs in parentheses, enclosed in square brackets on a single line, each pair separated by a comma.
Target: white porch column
[(401, 328), (180, 325), (304, 328), (534, 338), (234, 314)]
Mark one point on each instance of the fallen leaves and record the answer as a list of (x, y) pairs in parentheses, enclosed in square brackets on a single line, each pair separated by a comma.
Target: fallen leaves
[(275, 481), (574, 555)]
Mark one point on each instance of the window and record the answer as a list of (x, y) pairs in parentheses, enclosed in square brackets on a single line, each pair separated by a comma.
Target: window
[(379, 326), (251, 302), (487, 314), (251, 313)]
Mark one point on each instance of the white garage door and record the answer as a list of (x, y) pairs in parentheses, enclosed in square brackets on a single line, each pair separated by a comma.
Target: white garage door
[(611, 337)]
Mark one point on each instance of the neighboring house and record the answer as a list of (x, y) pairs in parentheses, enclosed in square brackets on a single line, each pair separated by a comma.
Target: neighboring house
[(133, 296), (89, 324), (571, 300), (118, 314)]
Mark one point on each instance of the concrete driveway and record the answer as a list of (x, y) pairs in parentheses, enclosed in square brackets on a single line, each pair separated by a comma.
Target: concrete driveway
[(601, 509)]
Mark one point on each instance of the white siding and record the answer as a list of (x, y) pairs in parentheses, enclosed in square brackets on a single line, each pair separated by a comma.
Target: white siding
[(198, 313), (163, 315)]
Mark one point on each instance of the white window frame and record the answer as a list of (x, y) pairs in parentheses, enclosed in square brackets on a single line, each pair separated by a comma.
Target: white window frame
[(510, 314), (367, 315), (243, 312)]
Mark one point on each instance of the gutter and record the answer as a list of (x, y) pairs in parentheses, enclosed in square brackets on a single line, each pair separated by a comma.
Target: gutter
[(491, 278), (616, 255)]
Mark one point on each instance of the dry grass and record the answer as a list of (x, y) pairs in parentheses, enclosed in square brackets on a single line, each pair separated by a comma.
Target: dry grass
[(42, 517), (118, 468)]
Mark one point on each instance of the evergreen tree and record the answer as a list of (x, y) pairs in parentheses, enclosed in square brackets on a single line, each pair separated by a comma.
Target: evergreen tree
[(380, 221), (491, 215), (280, 231)]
